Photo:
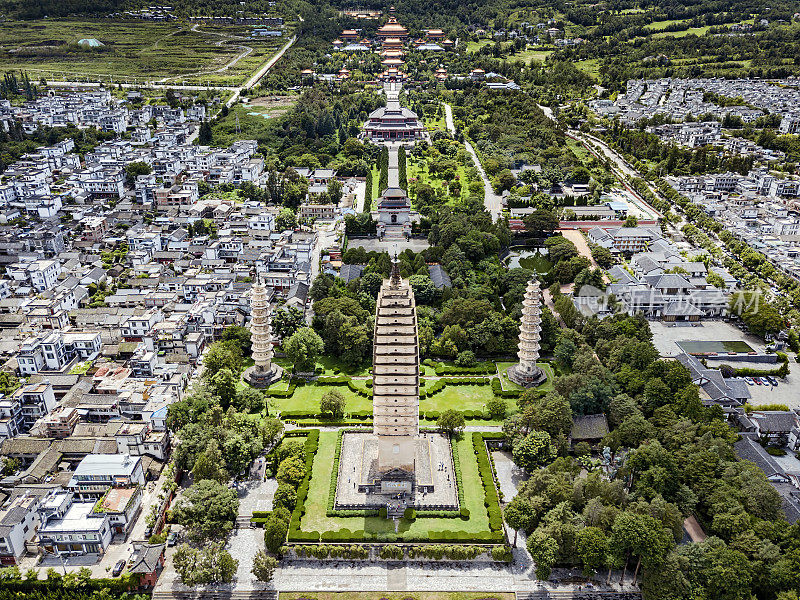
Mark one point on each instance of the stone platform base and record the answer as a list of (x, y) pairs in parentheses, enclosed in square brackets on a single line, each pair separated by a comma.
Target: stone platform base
[(434, 471), (527, 380), (262, 380)]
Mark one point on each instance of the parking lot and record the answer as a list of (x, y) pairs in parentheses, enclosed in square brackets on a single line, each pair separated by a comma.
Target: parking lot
[(666, 335), (784, 393)]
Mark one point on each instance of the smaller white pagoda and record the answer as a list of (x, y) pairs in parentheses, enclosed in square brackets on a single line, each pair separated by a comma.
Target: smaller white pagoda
[(526, 373), (263, 373)]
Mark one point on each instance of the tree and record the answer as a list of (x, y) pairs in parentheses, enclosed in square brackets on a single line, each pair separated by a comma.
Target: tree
[(207, 509), (534, 450), (249, 400), (451, 422), (222, 355), (271, 430), (239, 336), (564, 352), (223, 386), (332, 404), (505, 181), (544, 552), (275, 529), (292, 470), (303, 348), (205, 136), (541, 223), (286, 219), (285, 497), (631, 221), (264, 566), (136, 168), (286, 321), (592, 545), (335, 188), (210, 465), (497, 407), (8, 383), (212, 564), (519, 514)]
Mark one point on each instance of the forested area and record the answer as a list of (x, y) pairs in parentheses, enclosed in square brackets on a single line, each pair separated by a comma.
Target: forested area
[(672, 457)]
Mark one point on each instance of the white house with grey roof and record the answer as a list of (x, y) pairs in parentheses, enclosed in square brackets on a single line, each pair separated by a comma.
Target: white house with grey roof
[(96, 473)]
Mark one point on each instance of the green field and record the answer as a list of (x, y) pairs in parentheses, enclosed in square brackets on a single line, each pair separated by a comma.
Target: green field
[(316, 519), (691, 31), (133, 51), (475, 46), (531, 54)]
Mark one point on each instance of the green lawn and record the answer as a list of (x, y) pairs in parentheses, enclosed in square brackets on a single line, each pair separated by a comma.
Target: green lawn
[(460, 397), (307, 397), (591, 66), (531, 54), (475, 46), (547, 386), (691, 31), (316, 505), (455, 397), (661, 25)]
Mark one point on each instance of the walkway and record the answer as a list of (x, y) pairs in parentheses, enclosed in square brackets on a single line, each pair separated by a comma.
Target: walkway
[(394, 169), (492, 201)]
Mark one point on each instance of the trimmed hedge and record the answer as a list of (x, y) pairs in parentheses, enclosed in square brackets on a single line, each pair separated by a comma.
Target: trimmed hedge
[(491, 500), (498, 390), (309, 449)]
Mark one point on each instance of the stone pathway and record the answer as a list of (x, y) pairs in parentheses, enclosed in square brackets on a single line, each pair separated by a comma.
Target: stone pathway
[(394, 170)]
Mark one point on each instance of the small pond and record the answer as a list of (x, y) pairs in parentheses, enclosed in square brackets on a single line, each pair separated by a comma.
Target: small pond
[(535, 260)]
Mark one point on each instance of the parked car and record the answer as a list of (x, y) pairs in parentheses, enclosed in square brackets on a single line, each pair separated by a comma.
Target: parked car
[(118, 568), (764, 381), (172, 539), (757, 380), (772, 380), (748, 380)]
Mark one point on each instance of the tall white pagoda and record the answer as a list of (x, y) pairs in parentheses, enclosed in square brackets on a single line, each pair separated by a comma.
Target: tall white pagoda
[(526, 373), (263, 372)]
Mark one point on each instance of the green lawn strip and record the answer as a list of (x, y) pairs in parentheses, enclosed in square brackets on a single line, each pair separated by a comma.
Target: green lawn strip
[(306, 400), (460, 398), (316, 506)]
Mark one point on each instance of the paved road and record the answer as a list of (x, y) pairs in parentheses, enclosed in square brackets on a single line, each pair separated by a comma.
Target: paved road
[(492, 202), (621, 168), (250, 83)]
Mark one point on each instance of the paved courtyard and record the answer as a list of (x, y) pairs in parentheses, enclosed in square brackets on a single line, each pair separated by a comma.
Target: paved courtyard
[(358, 452), (509, 476), (665, 335), (376, 245)]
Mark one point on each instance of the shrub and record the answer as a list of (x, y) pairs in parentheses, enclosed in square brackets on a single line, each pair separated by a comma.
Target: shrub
[(502, 554), (409, 514), (382, 512), (464, 513)]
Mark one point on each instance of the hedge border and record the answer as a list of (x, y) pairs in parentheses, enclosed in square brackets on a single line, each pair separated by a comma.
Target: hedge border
[(491, 502), (310, 450)]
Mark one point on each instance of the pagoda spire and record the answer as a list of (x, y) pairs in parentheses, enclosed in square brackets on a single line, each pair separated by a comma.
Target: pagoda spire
[(526, 372), (263, 372)]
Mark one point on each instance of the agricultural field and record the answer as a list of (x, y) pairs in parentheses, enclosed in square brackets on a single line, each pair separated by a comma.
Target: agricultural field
[(134, 51)]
